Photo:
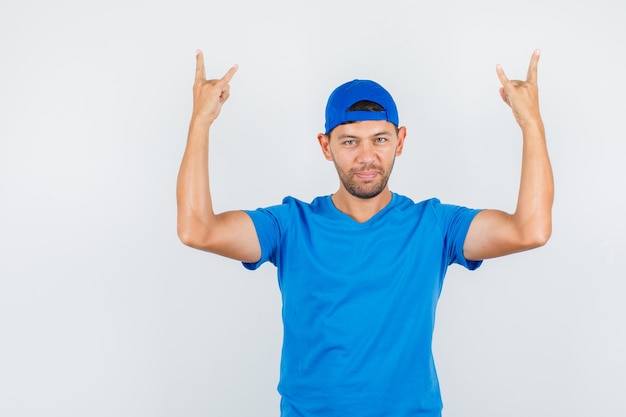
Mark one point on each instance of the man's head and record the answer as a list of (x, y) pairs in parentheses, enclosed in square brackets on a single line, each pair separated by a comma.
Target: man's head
[(362, 136)]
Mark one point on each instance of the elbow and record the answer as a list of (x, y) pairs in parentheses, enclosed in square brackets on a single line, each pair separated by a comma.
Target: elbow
[(188, 235), (185, 235), (196, 232), (197, 235), (542, 239), (539, 236)]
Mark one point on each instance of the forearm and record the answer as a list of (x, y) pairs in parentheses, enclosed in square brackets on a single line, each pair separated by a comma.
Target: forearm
[(533, 214), (494, 232), (193, 194)]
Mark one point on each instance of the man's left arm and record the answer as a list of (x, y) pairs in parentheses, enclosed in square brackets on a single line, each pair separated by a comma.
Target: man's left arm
[(494, 233)]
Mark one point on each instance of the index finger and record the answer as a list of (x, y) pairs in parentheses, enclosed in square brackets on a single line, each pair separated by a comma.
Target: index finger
[(531, 77), (200, 72), (230, 73)]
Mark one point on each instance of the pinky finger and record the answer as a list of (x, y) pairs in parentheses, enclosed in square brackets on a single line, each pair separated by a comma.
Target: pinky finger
[(501, 75), (231, 72)]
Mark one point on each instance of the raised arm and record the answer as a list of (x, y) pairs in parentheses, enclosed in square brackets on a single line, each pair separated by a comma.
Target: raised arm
[(232, 233), (496, 233)]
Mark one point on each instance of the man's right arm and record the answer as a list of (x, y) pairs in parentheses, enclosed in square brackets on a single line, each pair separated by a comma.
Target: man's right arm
[(231, 234)]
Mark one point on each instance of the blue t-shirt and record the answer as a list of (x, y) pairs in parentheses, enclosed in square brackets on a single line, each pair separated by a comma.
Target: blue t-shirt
[(359, 303)]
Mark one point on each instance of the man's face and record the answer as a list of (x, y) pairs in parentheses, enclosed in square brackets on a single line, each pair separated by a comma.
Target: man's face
[(363, 153)]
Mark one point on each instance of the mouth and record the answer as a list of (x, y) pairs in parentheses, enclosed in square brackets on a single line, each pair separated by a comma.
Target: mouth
[(366, 175)]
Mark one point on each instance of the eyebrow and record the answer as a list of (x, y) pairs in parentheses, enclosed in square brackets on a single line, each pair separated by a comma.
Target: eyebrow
[(375, 135)]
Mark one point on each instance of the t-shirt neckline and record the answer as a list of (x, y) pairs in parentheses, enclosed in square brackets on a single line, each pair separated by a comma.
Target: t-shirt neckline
[(332, 209)]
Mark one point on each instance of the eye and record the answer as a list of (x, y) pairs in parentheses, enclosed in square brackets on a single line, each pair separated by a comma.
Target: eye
[(349, 142), (381, 140)]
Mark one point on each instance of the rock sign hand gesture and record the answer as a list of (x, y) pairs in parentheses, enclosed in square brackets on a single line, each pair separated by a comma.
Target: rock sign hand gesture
[(209, 95), (522, 96)]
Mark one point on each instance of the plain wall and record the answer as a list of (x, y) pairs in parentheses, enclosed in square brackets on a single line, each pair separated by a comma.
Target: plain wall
[(103, 312)]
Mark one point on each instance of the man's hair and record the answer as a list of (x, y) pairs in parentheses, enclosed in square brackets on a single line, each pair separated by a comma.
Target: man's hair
[(366, 105)]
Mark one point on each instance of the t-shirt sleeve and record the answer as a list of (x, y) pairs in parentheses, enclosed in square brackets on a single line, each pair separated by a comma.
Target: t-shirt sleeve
[(268, 229), (455, 221)]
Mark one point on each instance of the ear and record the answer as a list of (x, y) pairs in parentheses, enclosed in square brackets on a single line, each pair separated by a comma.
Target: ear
[(401, 137), (324, 141)]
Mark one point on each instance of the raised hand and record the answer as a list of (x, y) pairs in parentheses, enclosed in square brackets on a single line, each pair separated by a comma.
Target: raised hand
[(209, 95), (522, 96)]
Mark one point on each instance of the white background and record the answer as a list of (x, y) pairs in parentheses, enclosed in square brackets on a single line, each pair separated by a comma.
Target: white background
[(103, 312)]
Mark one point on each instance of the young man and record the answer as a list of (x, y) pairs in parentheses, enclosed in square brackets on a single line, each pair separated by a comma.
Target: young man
[(361, 270)]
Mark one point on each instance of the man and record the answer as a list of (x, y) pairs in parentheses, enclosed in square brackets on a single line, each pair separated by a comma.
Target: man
[(361, 270)]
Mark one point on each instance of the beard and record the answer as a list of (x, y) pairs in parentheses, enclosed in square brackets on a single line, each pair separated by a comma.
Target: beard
[(364, 189)]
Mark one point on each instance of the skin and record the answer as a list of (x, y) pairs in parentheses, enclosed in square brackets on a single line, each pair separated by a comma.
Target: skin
[(231, 234), (496, 233), (363, 154)]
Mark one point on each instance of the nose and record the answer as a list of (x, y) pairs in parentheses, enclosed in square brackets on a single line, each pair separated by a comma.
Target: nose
[(366, 152)]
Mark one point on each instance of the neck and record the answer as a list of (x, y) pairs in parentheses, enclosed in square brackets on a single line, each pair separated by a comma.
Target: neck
[(360, 209)]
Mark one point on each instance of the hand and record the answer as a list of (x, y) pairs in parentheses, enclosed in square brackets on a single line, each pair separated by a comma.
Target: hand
[(209, 95), (522, 96)]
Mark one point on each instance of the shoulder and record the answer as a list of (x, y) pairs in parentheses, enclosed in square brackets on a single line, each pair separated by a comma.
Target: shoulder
[(437, 206), (291, 206), (433, 209), (293, 201), (404, 203), (316, 205)]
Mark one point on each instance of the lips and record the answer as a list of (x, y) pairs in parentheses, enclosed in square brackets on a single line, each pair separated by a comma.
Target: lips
[(366, 175)]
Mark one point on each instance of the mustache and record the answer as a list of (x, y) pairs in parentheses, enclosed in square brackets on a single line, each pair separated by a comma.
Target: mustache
[(366, 168)]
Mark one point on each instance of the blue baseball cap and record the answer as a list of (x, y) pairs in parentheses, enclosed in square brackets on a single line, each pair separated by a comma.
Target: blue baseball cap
[(352, 92)]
